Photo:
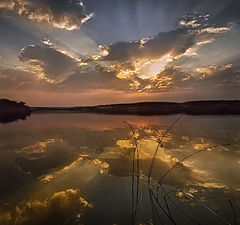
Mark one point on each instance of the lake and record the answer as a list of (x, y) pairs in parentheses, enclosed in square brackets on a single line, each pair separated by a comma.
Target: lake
[(71, 168)]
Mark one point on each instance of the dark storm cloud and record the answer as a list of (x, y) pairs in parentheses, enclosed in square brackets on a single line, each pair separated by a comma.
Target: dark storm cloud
[(55, 64), (62, 14)]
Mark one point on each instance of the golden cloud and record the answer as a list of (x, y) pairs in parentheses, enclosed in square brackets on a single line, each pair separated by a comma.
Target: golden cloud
[(211, 70), (70, 17), (53, 210), (49, 63)]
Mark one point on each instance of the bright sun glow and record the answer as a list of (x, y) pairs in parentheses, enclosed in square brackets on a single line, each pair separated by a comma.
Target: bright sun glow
[(146, 68)]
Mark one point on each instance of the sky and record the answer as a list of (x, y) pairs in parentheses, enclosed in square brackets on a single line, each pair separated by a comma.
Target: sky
[(91, 52)]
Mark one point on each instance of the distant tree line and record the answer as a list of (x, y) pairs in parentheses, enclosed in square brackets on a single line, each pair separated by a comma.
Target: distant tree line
[(212, 107), (12, 110)]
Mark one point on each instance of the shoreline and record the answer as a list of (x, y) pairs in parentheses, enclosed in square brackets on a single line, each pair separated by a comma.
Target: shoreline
[(153, 108)]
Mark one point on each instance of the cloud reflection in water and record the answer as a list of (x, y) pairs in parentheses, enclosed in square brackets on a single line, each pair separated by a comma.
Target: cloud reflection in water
[(68, 153)]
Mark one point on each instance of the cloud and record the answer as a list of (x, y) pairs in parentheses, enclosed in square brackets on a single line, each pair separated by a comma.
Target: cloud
[(213, 69), (56, 209), (10, 77), (193, 20), (43, 156), (93, 80), (65, 72), (228, 14), (210, 78), (48, 62), (193, 30), (20, 79), (63, 14), (145, 63), (173, 78), (221, 76)]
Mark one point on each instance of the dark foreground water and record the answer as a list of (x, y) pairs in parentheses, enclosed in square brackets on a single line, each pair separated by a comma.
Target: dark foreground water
[(62, 169)]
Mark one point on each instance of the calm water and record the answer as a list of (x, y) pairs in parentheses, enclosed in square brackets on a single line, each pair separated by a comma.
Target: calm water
[(77, 169)]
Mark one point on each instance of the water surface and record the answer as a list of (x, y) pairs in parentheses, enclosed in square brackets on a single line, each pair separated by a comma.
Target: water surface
[(71, 168)]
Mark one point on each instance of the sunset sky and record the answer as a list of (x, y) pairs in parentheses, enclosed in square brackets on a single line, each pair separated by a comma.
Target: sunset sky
[(90, 52)]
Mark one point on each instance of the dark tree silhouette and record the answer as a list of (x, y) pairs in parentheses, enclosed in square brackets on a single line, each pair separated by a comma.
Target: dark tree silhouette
[(12, 110)]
